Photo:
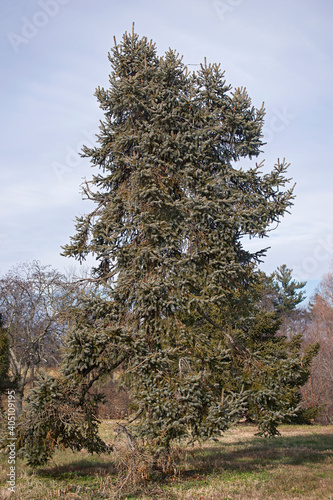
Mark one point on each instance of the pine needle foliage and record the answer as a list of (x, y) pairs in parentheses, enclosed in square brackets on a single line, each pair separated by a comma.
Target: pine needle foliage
[(177, 301), (57, 415), (171, 212)]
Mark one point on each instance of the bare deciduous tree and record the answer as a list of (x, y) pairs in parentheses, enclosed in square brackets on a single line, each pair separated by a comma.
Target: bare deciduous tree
[(319, 388), (32, 300)]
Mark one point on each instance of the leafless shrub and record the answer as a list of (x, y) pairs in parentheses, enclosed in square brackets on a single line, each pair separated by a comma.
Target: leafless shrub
[(138, 463)]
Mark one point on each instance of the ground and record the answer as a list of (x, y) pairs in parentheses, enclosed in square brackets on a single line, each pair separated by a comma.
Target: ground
[(295, 465)]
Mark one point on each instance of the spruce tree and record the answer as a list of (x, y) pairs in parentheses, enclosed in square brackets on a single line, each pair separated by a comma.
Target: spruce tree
[(176, 306), (289, 292), (172, 208)]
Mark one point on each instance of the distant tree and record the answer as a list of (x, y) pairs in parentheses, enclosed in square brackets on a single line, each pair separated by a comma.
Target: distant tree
[(289, 293), (4, 355), (5, 382), (177, 302), (283, 295), (318, 392), (31, 299)]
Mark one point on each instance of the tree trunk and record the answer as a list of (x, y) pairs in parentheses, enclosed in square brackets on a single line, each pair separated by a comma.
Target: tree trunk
[(19, 393)]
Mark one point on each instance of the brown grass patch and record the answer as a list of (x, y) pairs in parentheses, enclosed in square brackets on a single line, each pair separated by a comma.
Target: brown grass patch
[(296, 465)]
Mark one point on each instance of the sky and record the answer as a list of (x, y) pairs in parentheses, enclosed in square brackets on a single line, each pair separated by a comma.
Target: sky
[(54, 55)]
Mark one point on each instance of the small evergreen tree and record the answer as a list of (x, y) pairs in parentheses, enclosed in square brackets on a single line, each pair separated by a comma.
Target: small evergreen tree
[(5, 380), (4, 357), (178, 293), (289, 292)]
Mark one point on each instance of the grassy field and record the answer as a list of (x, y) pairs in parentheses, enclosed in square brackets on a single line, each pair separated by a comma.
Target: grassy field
[(296, 465)]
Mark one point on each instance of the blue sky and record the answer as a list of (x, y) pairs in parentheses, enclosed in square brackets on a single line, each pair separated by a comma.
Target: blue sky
[(54, 55)]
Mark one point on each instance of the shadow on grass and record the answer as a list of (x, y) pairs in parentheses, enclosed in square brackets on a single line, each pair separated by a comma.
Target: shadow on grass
[(240, 458), (79, 468), (260, 454)]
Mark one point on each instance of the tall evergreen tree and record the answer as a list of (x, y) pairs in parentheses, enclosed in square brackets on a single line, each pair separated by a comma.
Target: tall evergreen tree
[(177, 288)]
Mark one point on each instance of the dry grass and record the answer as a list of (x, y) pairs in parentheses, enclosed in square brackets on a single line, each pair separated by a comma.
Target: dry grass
[(296, 465)]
